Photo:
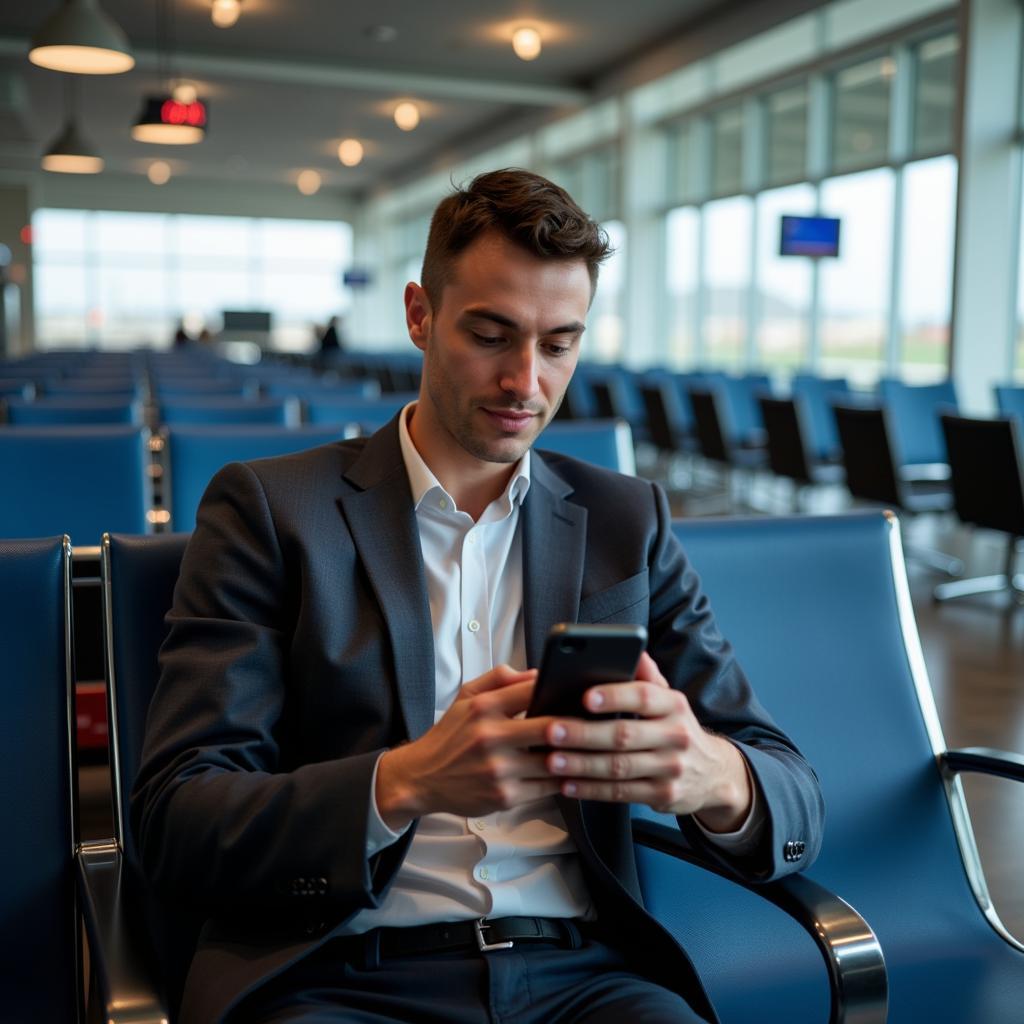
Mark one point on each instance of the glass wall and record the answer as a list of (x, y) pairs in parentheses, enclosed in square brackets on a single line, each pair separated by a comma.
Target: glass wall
[(126, 279), (860, 123), (785, 116), (855, 286), (682, 282), (728, 236), (926, 268), (606, 325), (783, 283)]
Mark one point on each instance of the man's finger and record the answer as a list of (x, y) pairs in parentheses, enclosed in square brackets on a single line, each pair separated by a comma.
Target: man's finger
[(644, 697), (626, 765), (499, 677), (620, 734), (647, 670)]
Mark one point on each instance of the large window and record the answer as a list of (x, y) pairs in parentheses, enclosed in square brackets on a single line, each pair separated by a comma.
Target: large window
[(855, 287), (935, 94), (728, 234), (926, 268), (727, 151), (125, 279), (786, 135), (682, 280), (860, 127), (605, 337), (783, 282)]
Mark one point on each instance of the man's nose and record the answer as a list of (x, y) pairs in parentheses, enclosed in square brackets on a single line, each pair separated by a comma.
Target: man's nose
[(519, 374)]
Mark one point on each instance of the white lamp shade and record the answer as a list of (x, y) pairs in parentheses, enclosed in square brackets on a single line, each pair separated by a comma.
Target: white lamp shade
[(71, 154), (81, 39)]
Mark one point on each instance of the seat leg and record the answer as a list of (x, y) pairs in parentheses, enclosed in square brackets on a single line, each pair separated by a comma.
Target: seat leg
[(1006, 580)]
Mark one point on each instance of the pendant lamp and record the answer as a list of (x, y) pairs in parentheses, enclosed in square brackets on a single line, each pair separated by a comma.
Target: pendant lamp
[(70, 153), (82, 39)]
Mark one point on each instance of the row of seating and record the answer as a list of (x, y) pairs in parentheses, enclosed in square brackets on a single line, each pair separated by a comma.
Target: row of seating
[(86, 481), (819, 612)]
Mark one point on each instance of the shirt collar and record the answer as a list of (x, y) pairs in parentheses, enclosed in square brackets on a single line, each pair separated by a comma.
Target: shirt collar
[(422, 480)]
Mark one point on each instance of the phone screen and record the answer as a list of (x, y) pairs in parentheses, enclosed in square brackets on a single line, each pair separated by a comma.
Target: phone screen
[(577, 657)]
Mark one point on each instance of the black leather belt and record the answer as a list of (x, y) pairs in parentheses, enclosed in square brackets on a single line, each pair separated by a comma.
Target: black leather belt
[(483, 935)]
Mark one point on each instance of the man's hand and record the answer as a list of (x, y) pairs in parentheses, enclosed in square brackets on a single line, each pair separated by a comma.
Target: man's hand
[(664, 758), (475, 760)]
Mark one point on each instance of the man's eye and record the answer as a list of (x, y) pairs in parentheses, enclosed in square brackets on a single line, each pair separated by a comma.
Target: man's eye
[(559, 350), (483, 339)]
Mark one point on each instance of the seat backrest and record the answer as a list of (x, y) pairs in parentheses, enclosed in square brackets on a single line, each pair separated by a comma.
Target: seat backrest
[(787, 448), (371, 412), (39, 969), (82, 481), (138, 577), (59, 411), (867, 454), (607, 443), (707, 425), (818, 612), (986, 463), (914, 415), (227, 409), (815, 395), (194, 454), (665, 417), (1011, 402)]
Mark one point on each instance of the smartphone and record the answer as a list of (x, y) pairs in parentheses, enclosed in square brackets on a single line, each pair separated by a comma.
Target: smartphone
[(577, 657)]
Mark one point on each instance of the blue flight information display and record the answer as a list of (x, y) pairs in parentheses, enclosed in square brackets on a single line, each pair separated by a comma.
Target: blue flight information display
[(809, 236)]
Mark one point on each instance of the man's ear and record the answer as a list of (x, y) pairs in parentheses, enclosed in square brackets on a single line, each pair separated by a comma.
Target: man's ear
[(418, 314)]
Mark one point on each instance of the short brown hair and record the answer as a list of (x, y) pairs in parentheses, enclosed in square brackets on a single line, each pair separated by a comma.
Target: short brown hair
[(527, 209)]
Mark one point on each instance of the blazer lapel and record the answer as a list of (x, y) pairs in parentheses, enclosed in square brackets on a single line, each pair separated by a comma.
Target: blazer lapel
[(380, 517), (554, 543)]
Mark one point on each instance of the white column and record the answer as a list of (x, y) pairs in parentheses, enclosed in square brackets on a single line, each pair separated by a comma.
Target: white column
[(988, 202)]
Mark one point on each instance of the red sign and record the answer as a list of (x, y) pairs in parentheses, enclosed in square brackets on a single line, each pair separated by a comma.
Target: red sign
[(173, 112)]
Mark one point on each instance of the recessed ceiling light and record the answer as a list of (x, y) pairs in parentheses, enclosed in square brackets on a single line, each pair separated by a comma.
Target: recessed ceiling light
[(224, 13), (526, 42), (159, 172), (308, 182), (350, 152), (407, 115)]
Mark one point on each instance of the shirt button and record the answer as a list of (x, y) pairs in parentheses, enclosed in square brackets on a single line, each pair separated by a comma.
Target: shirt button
[(471, 538), (473, 626), (442, 504), (481, 825), (484, 874)]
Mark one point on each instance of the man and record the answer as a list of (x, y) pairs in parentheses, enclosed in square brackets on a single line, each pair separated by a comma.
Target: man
[(336, 768)]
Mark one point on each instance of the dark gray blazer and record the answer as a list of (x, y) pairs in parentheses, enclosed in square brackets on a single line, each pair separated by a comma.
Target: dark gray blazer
[(300, 647)]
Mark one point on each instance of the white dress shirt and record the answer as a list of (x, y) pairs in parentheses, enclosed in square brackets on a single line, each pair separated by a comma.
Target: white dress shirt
[(516, 862)]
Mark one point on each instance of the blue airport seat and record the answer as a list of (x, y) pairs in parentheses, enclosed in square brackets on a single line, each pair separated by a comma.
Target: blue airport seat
[(819, 613), (914, 414), (815, 396), (225, 409), (16, 387), (194, 454), (368, 413), (42, 951), (45, 411), (310, 389), (1011, 402), (607, 443), (81, 480)]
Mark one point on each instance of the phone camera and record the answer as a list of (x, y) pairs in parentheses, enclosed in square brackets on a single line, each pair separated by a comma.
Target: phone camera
[(571, 645)]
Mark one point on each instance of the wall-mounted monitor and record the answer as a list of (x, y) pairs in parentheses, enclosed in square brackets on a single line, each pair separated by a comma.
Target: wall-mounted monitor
[(238, 321), (809, 236)]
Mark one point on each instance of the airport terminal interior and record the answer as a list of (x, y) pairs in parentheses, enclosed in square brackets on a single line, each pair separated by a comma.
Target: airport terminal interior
[(814, 308)]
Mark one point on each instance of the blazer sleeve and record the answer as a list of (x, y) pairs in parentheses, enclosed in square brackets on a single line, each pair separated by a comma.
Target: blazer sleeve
[(697, 659), (217, 821)]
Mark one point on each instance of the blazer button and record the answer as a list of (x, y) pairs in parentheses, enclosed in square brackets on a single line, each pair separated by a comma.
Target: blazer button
[(793, 850)]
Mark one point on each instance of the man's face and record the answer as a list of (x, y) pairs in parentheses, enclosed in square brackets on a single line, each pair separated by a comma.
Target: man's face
[(499, 353)]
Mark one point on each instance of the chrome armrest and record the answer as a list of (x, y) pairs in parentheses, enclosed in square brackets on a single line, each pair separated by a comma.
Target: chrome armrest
[(857, 976), (123, 981), (1003, 763)]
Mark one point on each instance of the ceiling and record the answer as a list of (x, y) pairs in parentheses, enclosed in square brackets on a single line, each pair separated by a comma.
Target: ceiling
[(294, 77)]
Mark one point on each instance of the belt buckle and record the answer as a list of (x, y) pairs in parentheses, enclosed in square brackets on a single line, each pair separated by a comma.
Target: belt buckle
[(479, 926)]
